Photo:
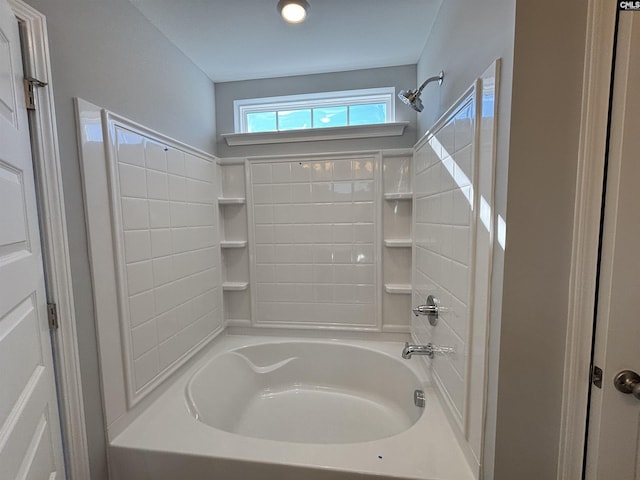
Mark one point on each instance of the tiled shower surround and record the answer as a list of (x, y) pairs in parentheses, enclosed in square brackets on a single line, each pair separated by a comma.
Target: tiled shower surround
[(340, 241), (453, 171), (315, 241), (444, 174), (165, 218)]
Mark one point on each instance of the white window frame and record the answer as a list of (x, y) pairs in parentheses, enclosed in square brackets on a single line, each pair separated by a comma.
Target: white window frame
[(241, 108)]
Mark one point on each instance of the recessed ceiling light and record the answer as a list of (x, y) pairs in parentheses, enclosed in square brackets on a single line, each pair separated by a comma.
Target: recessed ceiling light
[(293, 11)]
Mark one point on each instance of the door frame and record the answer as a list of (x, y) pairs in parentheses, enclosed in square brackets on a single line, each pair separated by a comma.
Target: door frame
[(599, 48), (55, 246)]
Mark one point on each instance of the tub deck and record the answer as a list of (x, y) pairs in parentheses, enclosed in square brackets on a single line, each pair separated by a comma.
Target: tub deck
[(165, 442)]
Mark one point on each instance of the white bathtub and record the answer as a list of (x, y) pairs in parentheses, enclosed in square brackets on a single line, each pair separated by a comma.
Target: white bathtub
[(278, 408)]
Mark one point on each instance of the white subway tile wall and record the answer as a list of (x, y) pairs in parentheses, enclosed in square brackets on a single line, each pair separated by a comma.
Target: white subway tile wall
[(169, 231), (315, 242), (444, 204)]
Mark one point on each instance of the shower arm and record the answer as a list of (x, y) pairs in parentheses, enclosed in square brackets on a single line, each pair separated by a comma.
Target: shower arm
[(438, 77)]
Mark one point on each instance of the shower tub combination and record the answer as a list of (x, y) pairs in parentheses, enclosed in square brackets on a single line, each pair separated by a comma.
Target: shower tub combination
[(283, 409)]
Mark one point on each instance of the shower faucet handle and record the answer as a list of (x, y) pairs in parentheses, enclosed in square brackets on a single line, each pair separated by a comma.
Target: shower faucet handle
[(425, 310), (431, 310)]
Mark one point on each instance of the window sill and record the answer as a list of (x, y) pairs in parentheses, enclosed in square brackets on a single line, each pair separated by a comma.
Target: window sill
[(310, 135)]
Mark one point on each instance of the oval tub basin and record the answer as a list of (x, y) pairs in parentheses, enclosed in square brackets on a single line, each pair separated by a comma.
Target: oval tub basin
[(305, 393)]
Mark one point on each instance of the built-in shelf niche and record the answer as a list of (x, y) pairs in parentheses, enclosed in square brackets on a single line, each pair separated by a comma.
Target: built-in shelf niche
[(232, 200), (398, 288), (235, 286), (396, 255), (397, 242), (233, 244), (397, 220), (398, 196)]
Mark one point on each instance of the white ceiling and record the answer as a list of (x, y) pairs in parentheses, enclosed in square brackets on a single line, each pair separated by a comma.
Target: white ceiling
[(246, 39)]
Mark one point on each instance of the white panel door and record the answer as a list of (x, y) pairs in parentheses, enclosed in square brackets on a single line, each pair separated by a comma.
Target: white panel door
[(613, 451), (30, 443)]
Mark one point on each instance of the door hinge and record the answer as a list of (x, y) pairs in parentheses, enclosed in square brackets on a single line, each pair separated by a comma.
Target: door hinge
[(596, 376), (29, 88), (52, 314)]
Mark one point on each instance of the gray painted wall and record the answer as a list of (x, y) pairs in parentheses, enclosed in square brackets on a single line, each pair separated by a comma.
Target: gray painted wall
[(541, 44), (400, 77), (543, 153), (109, 54)]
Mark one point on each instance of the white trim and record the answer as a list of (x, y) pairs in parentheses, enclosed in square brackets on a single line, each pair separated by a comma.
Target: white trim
[(485, 239), (593, 133), (392, 129), (378, 205), (55, 244)]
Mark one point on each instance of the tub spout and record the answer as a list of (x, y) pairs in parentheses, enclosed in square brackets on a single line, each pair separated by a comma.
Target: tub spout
[(430, 350)]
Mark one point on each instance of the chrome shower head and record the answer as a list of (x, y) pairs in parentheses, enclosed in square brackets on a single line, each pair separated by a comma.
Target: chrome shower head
[(412, 97)]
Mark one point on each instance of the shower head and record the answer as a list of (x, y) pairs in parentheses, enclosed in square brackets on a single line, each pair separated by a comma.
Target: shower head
[(412, 97)]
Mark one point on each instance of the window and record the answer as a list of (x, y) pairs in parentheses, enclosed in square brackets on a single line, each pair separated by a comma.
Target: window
[(318, 110)]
